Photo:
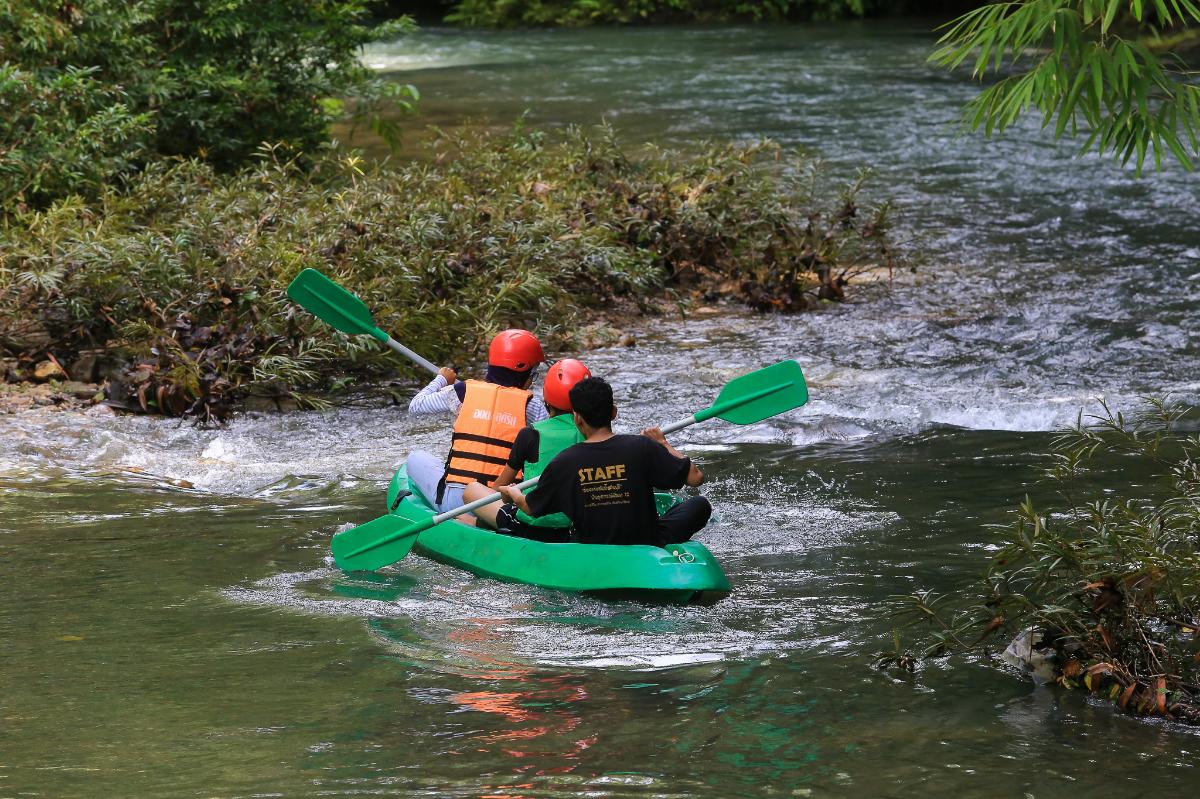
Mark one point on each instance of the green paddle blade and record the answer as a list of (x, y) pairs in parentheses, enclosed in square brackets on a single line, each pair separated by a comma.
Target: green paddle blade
[(378, 543), (333, 305), (751, 398)]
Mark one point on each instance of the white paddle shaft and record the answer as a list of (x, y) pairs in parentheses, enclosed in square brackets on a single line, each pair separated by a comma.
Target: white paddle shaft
[(412, 356)]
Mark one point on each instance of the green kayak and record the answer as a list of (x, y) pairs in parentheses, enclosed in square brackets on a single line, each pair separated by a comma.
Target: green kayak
[(680, 574)]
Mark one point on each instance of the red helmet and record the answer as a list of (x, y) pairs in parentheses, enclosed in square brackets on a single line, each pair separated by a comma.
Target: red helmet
[(559, 381), (518, 350)]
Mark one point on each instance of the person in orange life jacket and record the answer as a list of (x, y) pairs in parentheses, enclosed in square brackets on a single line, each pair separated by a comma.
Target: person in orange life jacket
[(606, 483), (488, 416), (533, 449)]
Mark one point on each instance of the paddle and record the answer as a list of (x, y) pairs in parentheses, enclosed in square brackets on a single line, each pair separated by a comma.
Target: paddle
[(744, 400), (340, 309)]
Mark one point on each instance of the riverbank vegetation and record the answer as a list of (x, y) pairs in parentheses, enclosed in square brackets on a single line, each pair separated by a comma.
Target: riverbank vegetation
[(1103, 589), (573, 13), (165, 170), (172, 285)]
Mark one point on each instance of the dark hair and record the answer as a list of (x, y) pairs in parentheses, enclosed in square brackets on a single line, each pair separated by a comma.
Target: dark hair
[(503, 376), (592, 398)]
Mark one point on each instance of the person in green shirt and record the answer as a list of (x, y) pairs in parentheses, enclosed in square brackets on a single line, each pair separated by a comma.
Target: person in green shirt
[(534, 447)]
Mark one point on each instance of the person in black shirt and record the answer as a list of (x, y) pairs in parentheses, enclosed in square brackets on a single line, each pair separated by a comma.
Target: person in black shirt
[(606, 483)]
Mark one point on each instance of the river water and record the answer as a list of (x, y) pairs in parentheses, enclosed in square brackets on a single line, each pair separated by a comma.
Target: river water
[(171, 624)]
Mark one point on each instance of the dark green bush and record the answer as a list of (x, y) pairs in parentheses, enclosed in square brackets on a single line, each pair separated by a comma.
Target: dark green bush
[(63, 132), (92, 89)]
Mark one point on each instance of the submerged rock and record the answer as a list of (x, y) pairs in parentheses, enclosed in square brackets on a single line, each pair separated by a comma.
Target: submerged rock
[(1027, 654), (269, 404), (81, 390)]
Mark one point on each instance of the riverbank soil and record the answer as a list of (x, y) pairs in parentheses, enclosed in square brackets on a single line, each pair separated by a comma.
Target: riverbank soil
[(69, 395)]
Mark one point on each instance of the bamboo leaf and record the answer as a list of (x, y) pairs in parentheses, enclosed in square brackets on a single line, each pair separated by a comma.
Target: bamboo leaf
[(1190, 117), (1109, 13), (1110, 71), (1156, 133), (1177, 149), (1127, 68), (1097, 85), (1067, 111), (984, 42)]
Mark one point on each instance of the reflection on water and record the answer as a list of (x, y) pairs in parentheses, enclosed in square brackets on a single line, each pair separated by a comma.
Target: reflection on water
[(535, 709)]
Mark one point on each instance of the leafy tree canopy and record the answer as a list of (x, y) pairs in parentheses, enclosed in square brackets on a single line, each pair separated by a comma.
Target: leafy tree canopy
[(1093, 67)]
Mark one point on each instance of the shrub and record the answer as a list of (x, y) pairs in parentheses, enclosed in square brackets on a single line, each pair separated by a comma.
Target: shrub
[(1110, 585), (186, 269), (91, 90), (64, 132)]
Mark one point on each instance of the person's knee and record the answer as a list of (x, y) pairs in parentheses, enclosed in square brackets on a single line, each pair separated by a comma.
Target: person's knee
[(420, 459), (419, 465), (424, 473), (702, 508)]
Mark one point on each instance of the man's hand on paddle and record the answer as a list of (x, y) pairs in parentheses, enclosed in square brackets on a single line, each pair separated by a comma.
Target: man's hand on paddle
[(448, 374), (656, 434), (695, 476), (512, 494)]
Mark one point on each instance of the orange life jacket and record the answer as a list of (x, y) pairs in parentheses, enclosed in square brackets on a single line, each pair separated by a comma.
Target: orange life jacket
[(484, 431)]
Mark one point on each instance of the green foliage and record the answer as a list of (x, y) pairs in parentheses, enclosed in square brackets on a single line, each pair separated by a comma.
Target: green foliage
[(1081, 64), (1111, 583), (98, 87), (64, 132), (511, 13), (185, 269)]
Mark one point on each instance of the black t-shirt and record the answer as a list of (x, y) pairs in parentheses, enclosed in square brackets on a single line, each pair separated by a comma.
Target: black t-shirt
[(607, 488), (524, 449)]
